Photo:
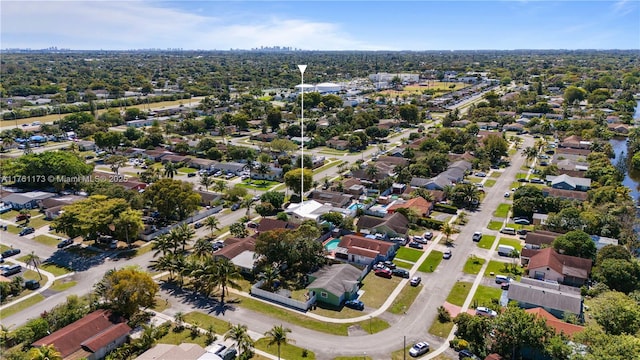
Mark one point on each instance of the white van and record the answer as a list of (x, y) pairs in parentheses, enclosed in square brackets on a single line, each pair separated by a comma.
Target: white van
[(508, 231), (505, 250)]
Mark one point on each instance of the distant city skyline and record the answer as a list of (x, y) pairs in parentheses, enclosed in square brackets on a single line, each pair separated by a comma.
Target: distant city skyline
[(320, 25)]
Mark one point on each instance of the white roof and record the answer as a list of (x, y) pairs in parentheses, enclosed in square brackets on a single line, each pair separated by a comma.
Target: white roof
[(304, 209)]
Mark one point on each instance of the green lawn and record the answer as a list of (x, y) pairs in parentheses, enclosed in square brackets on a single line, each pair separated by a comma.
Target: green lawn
[(46, 240), (473, 265), (495, 174), (409, 254), (184, 336), (403, 264), (515, 185), (440, 329), (431, 262), (39, 222), (352, 358), (485, 296), (262, 185), (60, 285), (187, 170), (495, 225), (377, 289), (287, 351), (474, 179), (486, 242), (503, 268), (489, 183), (326, 166), (404, 300), (502, 211), (516, 243), (14, 229), (55, 269), (521, 176), (204, 321), (24, 304), (459, 293)]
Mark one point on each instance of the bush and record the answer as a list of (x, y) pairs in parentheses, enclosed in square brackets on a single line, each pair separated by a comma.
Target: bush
[(445, 208), (443, 315), (431, 223)]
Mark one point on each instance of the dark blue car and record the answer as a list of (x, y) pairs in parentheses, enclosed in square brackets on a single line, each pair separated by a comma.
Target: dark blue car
[(354, 304)]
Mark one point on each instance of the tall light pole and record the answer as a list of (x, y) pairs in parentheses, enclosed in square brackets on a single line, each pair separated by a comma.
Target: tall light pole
[(302, 68)]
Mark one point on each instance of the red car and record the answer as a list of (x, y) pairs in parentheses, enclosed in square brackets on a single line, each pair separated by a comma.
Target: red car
[(385, 273)]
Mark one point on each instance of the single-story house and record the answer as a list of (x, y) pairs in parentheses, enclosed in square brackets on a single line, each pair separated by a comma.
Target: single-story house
[(269, 137), (539, 238), (52, 206), (556, 299), (274, 173), (86, 145), (184, 351), (539, 219), (208, 198), (392, 225), (333, 198), (336, 143), (27, 200), (334, 284), (575, 142), (202, 164), (310, 210), (156, 154), (566, 182), (240, 251), (361, 250), (268, 224), (175, 159), (547, 264), (418, 204), (565, 194), (231, 167), (91, 337), (513, 127)]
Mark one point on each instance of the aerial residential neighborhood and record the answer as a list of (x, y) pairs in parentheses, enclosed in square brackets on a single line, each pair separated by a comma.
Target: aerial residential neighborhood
[(192, 204)]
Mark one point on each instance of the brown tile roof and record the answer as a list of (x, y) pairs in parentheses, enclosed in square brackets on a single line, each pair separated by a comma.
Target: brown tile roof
[(392, 160), (419, 204), (236, 246), (334, 198), (540, 237), (562, 264), (567, 194), (570, 151), (359, 244), (267, 224), (99, 323), (572, 173), (558, 325), (396, 222), (103, 339)]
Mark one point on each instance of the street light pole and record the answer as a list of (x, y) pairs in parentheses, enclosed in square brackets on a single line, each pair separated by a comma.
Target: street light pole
[(302, 68)]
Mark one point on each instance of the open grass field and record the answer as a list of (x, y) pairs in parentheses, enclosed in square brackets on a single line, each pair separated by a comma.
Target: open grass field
[(377, 289), (187, 170), (459, 293), (287, 351), (184, 336), (403, 264), (495, 174), (326, 166), (485, 296), (205, 321), (502, 211), (431, 262), (60, 285), (473, 265), (405, 299), (262, 185), (408, 254), (487, 241)]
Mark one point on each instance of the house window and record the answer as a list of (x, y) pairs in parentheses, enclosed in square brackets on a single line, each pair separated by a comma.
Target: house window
[(324, 294)]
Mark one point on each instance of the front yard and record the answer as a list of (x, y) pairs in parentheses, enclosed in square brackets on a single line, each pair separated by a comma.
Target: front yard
[(516, 243), (502, 211), (377, 289), (486, 296), (486, 242), (408, 254), (473, 265), (431, 262), (459, 293)]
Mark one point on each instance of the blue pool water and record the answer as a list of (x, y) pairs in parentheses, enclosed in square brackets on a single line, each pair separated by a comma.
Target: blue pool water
[(355, 206), (332, 244)]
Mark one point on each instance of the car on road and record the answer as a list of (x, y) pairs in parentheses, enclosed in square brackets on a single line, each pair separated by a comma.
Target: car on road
[(415, 281), (427, 235), (235, 207), (26, 231), (419, 349), (507, 194), (485, 311), (446, 254), (477, 236), (64, 243), (416, 245), (401, 273), (385, 273), (354, 304), (10, 252)]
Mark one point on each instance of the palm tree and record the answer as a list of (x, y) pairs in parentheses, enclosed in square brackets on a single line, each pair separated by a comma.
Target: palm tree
[(448, 230), (371, 171), (163, 245), (34, 260), (167, 262), (238, 333), (219, 186), (270, 274), (278, 335), (206, 181), (182, 234), (5, 332), (212, 223), (530, 153), (202, 248), (44, 352), (170, 169), (179, 319), (227, 273), (247, 202)]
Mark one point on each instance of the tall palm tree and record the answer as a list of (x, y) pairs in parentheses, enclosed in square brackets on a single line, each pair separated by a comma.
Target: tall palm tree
[(530, 153), (182, 234), (371, 171), (202, 248), (247, 202), (45, 352), (227, 274), (34, 260), (448, 230), (163, 244), (206, 181), (170, 170), (270, 274), (212, 223), (239, 334), (278, 335), (167, 262)]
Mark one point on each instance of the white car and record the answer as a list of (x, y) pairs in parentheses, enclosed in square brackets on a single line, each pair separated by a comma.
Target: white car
[(507, 194), (446, 254), (418, 349), (484, 311)]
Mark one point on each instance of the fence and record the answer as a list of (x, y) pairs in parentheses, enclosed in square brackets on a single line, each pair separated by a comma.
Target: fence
[(267, 295), (199, 216)]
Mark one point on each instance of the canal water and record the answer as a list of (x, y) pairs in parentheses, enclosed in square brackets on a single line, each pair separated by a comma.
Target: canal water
[(631, 179)]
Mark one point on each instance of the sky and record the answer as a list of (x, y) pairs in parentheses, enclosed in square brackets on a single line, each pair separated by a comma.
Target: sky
[(320, 25)]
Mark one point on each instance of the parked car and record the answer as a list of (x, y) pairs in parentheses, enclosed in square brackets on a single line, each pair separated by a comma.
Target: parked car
[(10, 252), (26, 231), (244, 177), (229, 176), (481, 174), (419, 239), (523, 180), (31, 284), (385, 273), (466, 354), (235, 207), (354, 304), (537, 181), (389, 264), (446, 254), (415, 245), (522, 232), (415, 281), (419, 349), (521, 221), (401, 273), (64, 243), (428, 235), (217, 173), (198, 225), (507, 194), (218, 245), (484, 311), (501, 279), (477, 236), (11, 270)]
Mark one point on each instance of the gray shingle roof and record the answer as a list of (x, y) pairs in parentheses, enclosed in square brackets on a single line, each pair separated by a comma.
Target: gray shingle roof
[(336, 279), (545, 296)]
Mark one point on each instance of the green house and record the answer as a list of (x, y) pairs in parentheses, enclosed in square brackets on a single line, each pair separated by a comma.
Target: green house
[(334, 284)]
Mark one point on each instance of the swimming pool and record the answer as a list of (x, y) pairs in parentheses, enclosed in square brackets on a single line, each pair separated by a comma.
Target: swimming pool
[(332, 244), (355, 206)]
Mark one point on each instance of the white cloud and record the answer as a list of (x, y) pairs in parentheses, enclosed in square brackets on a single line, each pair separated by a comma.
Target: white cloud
[(138, 24), (623, 7)]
